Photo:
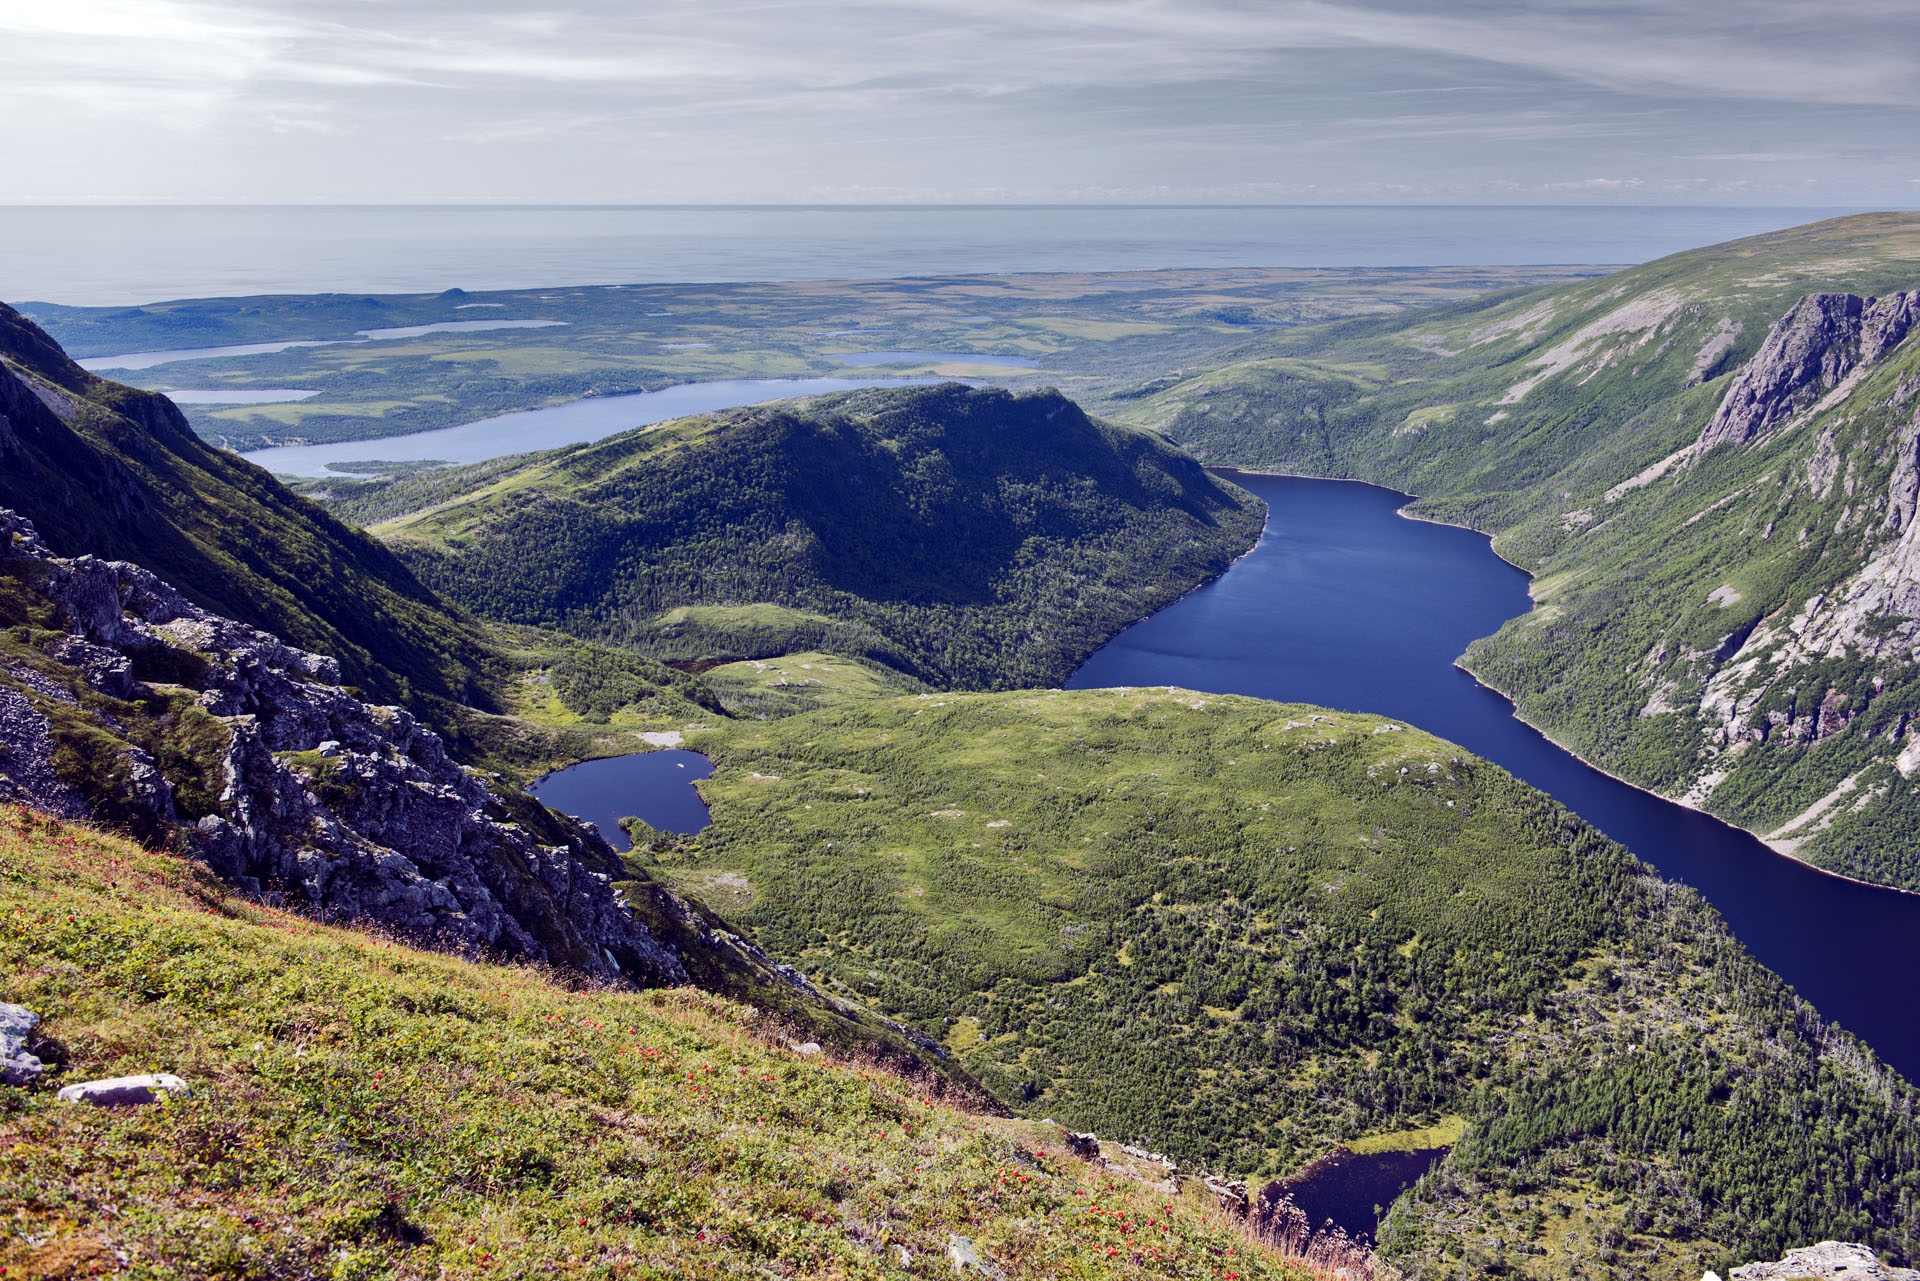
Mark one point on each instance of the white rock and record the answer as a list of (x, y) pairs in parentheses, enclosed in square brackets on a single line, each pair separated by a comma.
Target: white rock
[(808, 1048), (126, 1091)]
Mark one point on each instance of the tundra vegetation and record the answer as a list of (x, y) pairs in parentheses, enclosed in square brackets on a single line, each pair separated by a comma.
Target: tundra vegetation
[(359, 1109)]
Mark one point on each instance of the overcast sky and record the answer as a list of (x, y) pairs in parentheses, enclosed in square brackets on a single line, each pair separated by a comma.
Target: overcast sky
[(649, 101)]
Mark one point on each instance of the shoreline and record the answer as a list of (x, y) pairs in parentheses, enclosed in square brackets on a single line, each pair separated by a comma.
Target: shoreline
[(1202, 585), (1514, 708)]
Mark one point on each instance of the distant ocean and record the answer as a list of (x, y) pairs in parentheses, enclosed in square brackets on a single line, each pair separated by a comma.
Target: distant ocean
[(119, 255)]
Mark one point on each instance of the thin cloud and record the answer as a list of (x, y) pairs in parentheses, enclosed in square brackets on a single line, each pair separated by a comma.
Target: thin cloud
[(1046, 96)]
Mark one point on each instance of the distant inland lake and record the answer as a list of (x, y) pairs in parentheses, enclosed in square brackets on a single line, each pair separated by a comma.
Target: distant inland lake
[(569, 424), (1348, 605), (654, 786), (176, 355), (236, 395), (931, 358)]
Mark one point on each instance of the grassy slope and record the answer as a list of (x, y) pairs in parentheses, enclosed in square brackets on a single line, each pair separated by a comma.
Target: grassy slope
[(361, 1110), (968, 537), (1521, 414), (1236, 931)]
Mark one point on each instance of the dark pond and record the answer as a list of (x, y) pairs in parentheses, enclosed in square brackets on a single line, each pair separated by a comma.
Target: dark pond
[(655, 786), (1347, 605), (1355, 1191)]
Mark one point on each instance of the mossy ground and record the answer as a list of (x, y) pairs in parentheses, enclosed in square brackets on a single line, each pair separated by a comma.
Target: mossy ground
[(360, 1109)]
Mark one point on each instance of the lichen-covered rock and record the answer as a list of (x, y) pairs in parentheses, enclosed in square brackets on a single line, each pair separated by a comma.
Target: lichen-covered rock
[(1828, 1259), (17, 1067), (300, 791), (1807, 353)]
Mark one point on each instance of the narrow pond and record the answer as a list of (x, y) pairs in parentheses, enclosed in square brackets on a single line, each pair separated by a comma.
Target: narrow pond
[(1348, 605), (655, 786)]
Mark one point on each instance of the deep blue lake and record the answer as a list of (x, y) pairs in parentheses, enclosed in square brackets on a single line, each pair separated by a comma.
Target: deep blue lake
[(655, 786), (1347, 605)]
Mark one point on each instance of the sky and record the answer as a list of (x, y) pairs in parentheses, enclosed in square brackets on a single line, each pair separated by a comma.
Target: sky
[(971, 101)]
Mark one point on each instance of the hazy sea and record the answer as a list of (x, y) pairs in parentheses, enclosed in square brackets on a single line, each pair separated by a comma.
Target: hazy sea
[(119, 255)]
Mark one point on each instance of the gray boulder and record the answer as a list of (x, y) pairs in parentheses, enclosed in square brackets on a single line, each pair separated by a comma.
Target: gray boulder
[(126, 1091)]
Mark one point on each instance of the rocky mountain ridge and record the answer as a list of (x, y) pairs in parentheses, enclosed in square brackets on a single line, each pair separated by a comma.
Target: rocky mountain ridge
[(305, 792)]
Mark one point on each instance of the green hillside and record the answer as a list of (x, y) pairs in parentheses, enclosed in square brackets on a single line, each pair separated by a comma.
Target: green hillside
[(1730, 619), (108, 471), (1241, 932), (360, 1110), (967, 537)]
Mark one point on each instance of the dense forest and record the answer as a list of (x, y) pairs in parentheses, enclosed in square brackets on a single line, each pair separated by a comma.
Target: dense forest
[(980, 539), (1242, 932)]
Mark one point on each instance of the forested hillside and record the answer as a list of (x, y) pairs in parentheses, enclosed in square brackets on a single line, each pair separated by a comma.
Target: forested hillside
[(1241, 932), (108, 471), (968, 537), (1708, 463), (105, 470)]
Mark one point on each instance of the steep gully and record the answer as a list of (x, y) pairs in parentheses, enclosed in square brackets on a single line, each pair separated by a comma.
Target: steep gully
[(1345, 604)]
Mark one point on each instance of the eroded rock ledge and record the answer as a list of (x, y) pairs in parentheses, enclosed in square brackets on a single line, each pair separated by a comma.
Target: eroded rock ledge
[(124, 702)]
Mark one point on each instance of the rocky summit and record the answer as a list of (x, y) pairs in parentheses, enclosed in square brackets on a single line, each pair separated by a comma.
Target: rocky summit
[(1828, 1259)]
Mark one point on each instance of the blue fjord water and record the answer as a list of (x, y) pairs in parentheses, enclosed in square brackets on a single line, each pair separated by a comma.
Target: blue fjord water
[(1347, 605)]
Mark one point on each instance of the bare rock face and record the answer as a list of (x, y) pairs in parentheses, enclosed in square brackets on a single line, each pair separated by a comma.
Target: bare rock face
[(1808, 352), (289, 786), (1828, 1259)]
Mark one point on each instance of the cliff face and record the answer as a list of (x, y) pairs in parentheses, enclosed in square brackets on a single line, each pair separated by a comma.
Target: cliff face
[(1807, 354), (124, 701)]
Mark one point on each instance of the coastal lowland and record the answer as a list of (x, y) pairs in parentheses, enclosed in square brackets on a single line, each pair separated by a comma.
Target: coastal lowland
[(265, 756)]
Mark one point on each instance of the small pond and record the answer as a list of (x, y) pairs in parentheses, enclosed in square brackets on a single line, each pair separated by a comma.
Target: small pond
[(655, 786), (1355, 1189)]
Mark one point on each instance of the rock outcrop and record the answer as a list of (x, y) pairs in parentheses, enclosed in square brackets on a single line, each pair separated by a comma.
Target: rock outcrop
[(1808, 353), (1828, 1259), (122, 700), (17, 1066)]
